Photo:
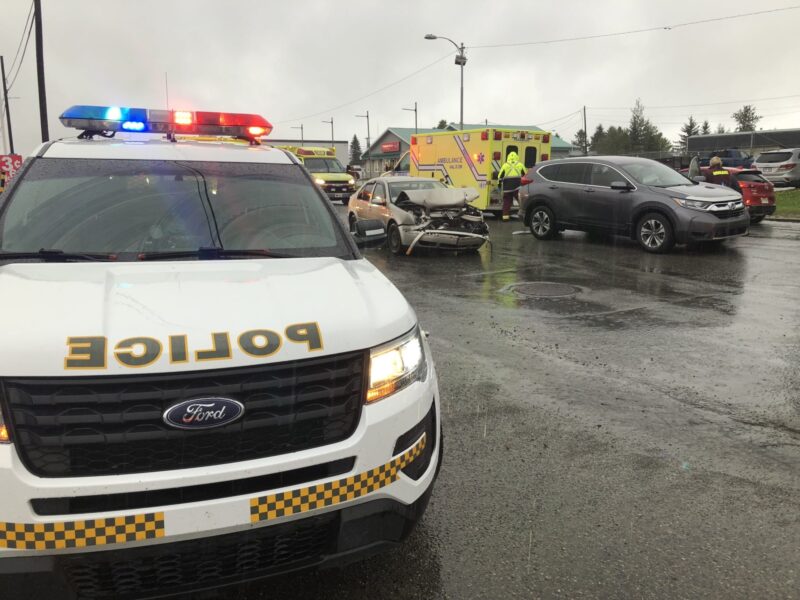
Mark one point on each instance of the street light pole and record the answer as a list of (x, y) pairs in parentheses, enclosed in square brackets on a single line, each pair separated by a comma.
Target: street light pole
[(461, 60), (416, 130), (302, 137), (333, 145), (37, 24)]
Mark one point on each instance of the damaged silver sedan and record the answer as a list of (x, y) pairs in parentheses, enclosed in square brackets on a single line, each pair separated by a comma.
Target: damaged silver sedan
[(420, 213)]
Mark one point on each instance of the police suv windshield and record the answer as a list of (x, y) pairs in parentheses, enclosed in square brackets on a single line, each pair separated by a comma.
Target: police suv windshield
[(130, 207), (323, 165)]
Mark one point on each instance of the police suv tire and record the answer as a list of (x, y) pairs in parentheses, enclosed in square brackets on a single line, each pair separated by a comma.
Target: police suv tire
[(654, 233), (543, 223), (394, 240)]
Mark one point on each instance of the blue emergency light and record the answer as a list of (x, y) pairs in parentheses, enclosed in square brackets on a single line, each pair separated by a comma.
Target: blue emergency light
[(110, 119)]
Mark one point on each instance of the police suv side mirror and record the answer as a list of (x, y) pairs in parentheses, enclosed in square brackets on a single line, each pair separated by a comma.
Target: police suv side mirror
[(622, 186), (369, 233)]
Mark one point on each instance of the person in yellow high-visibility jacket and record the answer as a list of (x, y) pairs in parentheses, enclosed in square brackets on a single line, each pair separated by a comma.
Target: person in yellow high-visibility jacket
[(510, 177)]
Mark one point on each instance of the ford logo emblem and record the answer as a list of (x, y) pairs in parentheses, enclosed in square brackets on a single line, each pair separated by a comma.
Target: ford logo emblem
[(203, 413)]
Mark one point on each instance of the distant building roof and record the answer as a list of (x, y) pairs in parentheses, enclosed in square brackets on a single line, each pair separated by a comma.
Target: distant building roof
[(555, 142), (778, 138)]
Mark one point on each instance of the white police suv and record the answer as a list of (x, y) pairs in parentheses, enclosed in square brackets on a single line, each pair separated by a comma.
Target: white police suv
[(201, 381)]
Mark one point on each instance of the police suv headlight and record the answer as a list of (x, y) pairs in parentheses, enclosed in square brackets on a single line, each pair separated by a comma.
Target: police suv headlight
[(351, 182), (319, 181), (693, 204), (395, 366)]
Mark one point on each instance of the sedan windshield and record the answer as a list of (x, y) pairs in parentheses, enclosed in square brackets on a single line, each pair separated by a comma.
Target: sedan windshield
[(655, 174), (130, 207), (323, 165), (406, 186)]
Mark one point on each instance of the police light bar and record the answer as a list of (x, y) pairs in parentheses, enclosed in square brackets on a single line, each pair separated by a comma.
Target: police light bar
[(144, 120)]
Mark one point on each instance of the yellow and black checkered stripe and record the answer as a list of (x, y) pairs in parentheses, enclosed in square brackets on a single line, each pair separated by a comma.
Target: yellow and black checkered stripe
[(81, 534), (293, 502)]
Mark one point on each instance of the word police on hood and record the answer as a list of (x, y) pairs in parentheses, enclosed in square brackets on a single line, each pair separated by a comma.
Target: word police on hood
[(94, 352)]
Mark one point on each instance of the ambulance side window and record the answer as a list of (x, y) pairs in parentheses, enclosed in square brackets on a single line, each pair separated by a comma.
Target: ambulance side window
[(530, 157)]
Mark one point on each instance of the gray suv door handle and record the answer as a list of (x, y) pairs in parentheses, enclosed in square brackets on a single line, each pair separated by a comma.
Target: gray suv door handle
[(590, 190), (553, 187)]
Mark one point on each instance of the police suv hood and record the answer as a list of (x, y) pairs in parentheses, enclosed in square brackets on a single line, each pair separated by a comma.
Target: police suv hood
[(701, 191), (44, 304)]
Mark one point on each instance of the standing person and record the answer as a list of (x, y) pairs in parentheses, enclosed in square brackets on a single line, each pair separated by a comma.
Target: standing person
[(717, 174), (510, 177)]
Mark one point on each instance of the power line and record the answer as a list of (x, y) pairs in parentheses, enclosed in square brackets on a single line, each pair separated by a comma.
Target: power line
[(22, 59), (378, 91), (696, 105), (21, 38), (635, 31)]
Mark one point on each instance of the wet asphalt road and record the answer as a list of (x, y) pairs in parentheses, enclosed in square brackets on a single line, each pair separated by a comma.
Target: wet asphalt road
[(633, 432)]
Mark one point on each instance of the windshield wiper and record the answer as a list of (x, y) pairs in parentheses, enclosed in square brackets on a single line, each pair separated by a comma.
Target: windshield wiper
[(53, 255), (213, 254)]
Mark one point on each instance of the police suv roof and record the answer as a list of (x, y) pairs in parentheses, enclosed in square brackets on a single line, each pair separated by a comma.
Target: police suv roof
[(156, 149)]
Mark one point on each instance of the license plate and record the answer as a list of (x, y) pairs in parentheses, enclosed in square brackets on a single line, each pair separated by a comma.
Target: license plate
[(767, 169), (765, 201), (340, 195)]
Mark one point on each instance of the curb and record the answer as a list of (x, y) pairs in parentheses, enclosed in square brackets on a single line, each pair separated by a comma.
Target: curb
[(784, 219)]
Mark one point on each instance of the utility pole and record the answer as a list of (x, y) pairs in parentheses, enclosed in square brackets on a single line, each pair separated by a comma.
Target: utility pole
[(302, 136), (366, 116), (416, 129), (37, 22), (333, 145), (585, 135), (5, 99)]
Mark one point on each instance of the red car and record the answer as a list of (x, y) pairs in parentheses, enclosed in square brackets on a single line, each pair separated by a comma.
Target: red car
[(757, 193)]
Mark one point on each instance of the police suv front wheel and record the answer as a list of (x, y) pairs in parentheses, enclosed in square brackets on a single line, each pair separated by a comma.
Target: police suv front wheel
[(543, 223)]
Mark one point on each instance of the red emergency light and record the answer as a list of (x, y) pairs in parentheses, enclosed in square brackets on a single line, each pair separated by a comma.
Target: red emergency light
[(498, 135), (546, 138), (484, 136), (110, 119)]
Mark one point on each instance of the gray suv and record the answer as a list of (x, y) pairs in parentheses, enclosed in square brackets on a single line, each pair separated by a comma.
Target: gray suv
[(635, 197)]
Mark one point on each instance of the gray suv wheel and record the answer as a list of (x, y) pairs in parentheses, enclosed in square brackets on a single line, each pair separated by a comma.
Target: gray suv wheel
[(654, 232), (543, 223)]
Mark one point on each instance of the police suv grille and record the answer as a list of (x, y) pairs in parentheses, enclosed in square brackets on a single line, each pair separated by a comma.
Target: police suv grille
[(85, 426), (203, 563)]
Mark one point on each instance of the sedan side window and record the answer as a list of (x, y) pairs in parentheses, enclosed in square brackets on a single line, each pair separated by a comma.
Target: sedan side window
[(603, 175), (366, 192), (379, 193)]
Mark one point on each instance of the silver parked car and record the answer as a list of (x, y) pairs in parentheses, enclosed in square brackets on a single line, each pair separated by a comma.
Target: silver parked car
[(420, 212), (780, 166)]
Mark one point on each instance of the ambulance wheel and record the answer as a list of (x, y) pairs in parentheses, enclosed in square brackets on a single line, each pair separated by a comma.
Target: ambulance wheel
[(543, 223), (394, 239)]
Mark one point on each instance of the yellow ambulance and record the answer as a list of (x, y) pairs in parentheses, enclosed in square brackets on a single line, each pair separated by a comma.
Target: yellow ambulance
[(328, 173), (473, 158)]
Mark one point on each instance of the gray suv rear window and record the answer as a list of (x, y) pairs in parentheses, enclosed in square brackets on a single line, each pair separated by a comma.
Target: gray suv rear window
[(774, 157)]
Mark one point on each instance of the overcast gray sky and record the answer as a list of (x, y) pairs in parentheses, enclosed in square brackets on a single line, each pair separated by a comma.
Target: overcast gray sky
[(295, 61)]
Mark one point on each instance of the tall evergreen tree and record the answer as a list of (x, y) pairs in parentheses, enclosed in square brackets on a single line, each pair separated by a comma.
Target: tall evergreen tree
[(442, 124), (579, 141), (688, 129), (720, 128), (355, 151), (706, 128), (746, 118), (597, 138)]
